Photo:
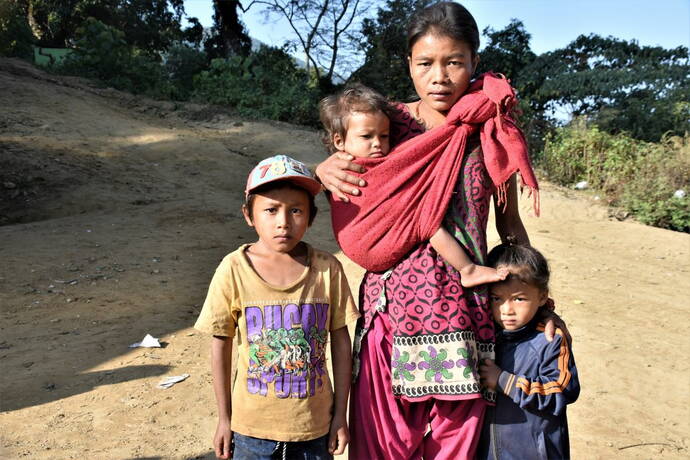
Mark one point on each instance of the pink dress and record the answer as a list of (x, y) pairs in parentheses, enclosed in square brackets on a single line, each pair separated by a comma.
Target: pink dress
[(416, 392)]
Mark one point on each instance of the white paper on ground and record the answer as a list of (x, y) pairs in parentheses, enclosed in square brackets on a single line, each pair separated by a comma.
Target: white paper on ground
[(148, 342), (172, 380)]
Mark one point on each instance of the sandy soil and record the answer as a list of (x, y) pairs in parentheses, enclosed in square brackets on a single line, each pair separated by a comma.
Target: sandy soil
[(115, 210)]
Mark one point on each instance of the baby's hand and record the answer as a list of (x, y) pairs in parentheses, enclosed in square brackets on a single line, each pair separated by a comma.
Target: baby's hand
[(488, 373)]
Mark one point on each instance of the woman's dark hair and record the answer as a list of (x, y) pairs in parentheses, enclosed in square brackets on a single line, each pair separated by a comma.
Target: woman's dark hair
[(335, 110), (523, 262), (447, 19), (249, 200)]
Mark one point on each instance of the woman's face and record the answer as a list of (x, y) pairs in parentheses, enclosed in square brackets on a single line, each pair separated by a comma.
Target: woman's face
[(441, 68)]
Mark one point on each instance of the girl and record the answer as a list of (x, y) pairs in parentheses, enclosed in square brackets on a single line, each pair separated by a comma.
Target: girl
[(534, 379)]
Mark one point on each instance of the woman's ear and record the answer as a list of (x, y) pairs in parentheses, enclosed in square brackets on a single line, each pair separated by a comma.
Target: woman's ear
[(475, 63), (339, 142)]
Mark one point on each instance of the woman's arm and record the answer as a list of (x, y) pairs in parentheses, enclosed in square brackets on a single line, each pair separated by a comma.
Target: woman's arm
[(332, 173), (508, 220)]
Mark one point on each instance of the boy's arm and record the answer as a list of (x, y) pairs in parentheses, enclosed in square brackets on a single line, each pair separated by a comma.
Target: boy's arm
[(555, 386), (221, 364), (449, 248), (341, 359)]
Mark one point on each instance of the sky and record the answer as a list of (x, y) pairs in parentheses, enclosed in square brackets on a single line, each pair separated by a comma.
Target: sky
[(552, 23)]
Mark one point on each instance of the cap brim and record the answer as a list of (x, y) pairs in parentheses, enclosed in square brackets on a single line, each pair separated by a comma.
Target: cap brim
[(310, 185)]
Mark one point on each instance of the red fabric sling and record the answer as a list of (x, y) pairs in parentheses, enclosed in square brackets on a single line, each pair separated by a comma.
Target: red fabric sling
[(409, 190)]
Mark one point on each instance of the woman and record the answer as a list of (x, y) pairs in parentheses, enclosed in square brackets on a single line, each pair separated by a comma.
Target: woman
[(419, 327)]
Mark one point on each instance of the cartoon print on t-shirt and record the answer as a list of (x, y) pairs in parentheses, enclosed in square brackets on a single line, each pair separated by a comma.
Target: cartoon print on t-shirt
[(287, 347)]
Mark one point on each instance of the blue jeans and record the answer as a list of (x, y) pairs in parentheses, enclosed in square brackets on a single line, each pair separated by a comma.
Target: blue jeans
[(248, 448)]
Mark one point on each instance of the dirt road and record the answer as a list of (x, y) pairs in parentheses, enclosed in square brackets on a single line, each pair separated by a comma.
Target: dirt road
[(115, 211)]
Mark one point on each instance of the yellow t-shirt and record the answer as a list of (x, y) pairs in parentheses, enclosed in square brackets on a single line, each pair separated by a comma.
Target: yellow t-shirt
[(282, 390)]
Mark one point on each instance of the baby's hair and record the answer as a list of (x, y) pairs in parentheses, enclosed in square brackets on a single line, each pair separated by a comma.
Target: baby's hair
[(249, 199), (335, 110), (523, 262)]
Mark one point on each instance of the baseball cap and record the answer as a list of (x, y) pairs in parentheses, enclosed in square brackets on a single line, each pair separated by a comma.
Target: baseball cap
[(282, 167)]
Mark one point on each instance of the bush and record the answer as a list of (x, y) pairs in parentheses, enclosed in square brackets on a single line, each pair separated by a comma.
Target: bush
[(182, 63), (101, 52), (636, 175), (16, 38), (265, 84)]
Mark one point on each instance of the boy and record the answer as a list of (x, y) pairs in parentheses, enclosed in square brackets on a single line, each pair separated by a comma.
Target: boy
[(282, 298), (357, 121), (534, 379)]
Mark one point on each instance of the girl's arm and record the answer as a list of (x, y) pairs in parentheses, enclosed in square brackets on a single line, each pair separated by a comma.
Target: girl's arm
[(332, 173), (221, 364), (471, 274), (508, 221), (341, 359), (555, 386)]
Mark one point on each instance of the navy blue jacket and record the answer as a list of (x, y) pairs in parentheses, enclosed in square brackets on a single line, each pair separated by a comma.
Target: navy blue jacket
[(537, 381)]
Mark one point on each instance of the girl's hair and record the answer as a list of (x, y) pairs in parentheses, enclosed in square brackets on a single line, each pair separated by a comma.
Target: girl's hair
[(445, 19), (335, 110), (523, 262)]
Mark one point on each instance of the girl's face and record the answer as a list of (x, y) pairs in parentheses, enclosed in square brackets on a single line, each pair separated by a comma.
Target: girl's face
[(367, 135), (514, 303), (441, 68)]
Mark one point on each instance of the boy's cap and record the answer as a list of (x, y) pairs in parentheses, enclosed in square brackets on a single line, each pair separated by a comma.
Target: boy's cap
[(282, 167)]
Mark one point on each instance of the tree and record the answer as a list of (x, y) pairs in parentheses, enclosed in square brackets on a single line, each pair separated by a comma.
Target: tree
[(618, 84), (149, 25), (321, 27), (384, 42), (228, 37), (15, 34)]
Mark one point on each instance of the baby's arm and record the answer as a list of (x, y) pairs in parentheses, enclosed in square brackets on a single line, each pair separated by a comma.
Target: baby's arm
[(221, 363), (341, 357), (471, 274), (549, 392)]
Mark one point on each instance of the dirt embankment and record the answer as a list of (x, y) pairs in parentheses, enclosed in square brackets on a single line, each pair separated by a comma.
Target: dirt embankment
[(114, 211)]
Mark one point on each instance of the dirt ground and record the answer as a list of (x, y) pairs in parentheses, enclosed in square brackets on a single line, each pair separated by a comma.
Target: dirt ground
[(115, 210)]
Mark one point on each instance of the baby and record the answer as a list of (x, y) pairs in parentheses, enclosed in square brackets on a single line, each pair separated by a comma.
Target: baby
[(357, 121)]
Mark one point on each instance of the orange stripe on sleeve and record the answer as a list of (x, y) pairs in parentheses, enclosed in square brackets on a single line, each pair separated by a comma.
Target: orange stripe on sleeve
[(559, 384)]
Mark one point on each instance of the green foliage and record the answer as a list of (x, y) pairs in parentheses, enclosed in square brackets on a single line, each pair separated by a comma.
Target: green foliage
[(182, 63), (101, 52), (16, 38), (620, 85), (265, 84), (636, 175), (150, 25), (385, 44)]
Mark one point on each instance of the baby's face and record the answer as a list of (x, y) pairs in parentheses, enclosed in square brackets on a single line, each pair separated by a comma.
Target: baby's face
[(367, 135)]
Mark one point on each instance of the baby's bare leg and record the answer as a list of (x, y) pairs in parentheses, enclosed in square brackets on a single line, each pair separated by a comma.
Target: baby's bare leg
[(471, 274)]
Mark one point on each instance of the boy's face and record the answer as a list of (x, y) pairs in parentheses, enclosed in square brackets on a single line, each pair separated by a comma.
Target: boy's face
[(367, 135), (280, 218), (514, 303)]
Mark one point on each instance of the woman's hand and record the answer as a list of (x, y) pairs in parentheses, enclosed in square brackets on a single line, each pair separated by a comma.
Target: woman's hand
[(332, 173), (551, 322)]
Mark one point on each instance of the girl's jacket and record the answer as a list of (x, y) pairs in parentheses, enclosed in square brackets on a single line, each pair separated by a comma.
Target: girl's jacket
[(539, 379)]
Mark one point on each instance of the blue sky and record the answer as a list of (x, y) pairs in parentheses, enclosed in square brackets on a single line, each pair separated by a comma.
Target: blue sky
[(552, 23)]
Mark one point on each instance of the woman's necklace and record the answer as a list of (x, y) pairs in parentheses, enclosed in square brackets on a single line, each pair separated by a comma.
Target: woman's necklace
[(420, 121)]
